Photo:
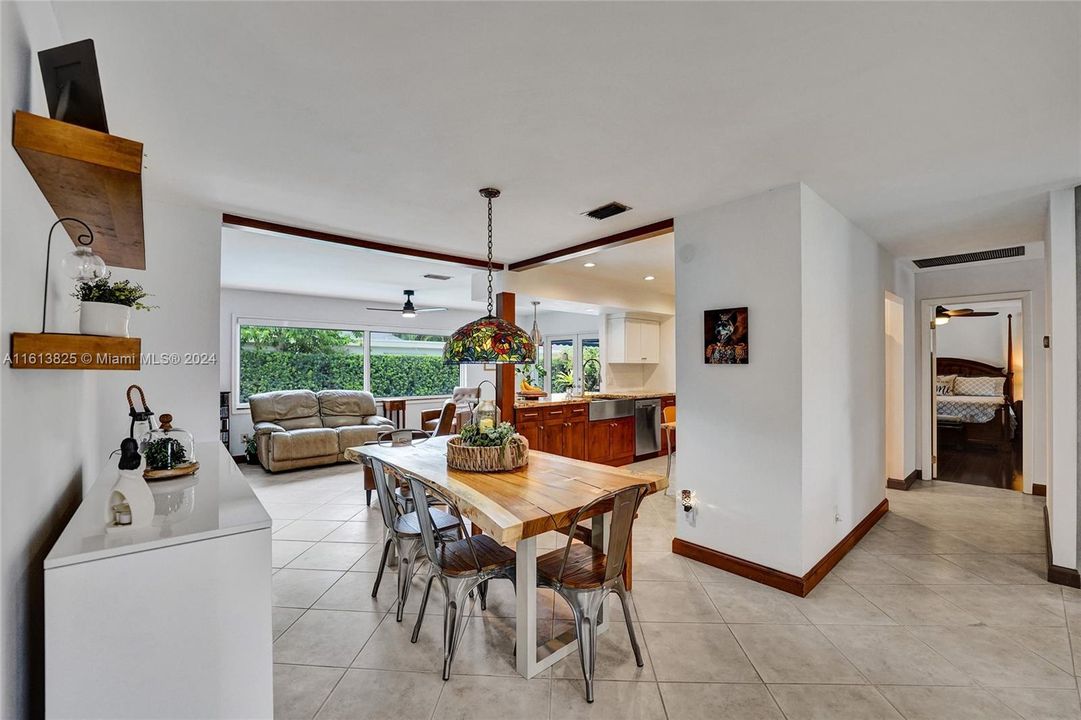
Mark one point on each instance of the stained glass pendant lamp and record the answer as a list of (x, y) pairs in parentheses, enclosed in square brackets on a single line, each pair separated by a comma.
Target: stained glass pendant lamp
[(489, 339)]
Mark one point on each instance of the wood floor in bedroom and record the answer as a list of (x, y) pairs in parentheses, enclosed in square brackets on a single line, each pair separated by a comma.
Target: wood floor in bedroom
[(975, 466)]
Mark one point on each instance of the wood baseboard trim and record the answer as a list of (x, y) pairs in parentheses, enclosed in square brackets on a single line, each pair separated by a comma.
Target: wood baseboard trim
[(1056, 573), (1039, 489), (907, 483), (738, 566), (786, 582)]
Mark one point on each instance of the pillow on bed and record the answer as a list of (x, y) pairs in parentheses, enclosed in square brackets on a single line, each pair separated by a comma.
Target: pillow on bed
[(944, 384), (979, 386)]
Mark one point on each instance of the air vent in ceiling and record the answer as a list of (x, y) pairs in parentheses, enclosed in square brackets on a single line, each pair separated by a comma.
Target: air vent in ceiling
[(606, 211), (434, 276), (971, 257)]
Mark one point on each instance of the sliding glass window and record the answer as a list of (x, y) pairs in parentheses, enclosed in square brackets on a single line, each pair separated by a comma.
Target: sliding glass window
[(273, 357), (410, 365)]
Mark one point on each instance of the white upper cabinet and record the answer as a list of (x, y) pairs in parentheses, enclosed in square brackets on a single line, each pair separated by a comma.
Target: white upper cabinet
[(633, 340)]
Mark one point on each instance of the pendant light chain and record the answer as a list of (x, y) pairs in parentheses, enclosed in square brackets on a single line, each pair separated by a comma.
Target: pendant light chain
[(490, 305)]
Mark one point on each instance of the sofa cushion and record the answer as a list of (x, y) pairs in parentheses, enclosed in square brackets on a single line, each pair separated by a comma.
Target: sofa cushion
[(292, 409), (354, 435), (345, 407), (305, 443)]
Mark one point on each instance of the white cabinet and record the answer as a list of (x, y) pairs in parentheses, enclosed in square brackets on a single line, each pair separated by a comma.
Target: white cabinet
[(633, 340), (167, 621)]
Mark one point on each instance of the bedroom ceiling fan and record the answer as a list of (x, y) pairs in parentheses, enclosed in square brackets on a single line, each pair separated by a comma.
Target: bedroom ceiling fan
[(943, 315), (408, 310)]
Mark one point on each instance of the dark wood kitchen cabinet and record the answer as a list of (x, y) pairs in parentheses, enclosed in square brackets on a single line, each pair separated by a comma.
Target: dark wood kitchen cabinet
[(611, 441), (560, 430)]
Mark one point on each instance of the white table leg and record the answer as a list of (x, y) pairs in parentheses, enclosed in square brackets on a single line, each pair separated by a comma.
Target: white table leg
[(529, 664), (526, 615)]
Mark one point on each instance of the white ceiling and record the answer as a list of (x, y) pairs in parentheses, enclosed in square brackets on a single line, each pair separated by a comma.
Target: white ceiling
[(299, 266), (629, 264), (269, 262), (934, 126)]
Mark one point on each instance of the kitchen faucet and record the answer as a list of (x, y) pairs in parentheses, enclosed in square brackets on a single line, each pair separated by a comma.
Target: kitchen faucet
[(581, 380)]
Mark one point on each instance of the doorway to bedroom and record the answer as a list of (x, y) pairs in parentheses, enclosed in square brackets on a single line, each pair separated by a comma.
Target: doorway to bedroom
[(976, 391)]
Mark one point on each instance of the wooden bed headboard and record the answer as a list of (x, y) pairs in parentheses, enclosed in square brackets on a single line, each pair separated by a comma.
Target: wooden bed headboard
[(974, 368)]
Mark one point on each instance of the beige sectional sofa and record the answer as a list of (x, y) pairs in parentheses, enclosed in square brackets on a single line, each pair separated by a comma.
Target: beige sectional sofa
[(301, 428)]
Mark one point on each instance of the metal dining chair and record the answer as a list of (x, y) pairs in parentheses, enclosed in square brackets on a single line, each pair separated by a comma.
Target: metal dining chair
[(584, 576), (460, 566), (403, 532)]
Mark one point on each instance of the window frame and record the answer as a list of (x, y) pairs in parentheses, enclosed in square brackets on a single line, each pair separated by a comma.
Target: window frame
[(576, 344), (367, 329)]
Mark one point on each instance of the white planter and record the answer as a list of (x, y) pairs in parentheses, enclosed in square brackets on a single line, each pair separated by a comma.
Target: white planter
[(110, 319)]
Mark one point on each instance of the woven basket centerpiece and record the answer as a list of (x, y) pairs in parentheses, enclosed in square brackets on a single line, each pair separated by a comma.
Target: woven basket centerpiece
[(511, 455)]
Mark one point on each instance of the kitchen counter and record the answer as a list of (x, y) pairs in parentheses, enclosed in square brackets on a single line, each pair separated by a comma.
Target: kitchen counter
[(630, 395), (557, 399), (553, 400)]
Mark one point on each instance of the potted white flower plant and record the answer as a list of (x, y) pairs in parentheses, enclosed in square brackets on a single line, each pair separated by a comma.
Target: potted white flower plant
[(105, 307)]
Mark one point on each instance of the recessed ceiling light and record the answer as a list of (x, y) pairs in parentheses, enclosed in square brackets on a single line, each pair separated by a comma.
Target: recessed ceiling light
[(649, 277), (589, 264)]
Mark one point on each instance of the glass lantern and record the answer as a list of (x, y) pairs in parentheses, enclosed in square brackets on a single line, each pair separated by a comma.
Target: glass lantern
[(486, 414), (168, 447), (82, 265)]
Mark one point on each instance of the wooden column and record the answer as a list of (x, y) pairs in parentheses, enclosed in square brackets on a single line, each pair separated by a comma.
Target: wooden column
[(504, 373)]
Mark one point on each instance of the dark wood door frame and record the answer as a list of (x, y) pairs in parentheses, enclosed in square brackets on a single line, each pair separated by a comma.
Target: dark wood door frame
[(266, 226)]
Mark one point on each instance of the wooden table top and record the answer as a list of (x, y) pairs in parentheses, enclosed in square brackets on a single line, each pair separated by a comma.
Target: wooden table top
[(544, 495)]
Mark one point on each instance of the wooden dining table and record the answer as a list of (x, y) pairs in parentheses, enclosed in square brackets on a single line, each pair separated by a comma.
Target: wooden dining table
[(515, 508)]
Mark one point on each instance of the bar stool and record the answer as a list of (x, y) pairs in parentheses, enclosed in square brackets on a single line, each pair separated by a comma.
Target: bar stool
[(668, 425)]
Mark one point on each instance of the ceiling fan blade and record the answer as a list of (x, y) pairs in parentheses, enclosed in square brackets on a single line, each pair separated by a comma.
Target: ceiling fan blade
[(397, 310), (979, 314), (420, 310), (959, 312)]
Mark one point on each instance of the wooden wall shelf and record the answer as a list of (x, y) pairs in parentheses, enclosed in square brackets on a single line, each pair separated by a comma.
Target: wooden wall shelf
[(90, 175), (63, 351)]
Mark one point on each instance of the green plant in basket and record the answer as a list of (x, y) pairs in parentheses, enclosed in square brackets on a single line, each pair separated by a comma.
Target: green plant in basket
[(495, 436), (164, 454)]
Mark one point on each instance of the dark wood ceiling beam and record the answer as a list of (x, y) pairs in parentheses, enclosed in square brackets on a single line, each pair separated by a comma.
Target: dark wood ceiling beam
[(238, 221), (623, 238)]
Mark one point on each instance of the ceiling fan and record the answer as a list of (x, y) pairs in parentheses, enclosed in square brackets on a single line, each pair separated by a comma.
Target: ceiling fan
[(408, 310), (943, 315)]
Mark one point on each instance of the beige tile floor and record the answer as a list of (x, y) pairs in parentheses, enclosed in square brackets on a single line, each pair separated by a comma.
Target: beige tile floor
[(940, 613)]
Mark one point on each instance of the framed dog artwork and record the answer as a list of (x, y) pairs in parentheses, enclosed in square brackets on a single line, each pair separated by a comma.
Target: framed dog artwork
[(727, 341)]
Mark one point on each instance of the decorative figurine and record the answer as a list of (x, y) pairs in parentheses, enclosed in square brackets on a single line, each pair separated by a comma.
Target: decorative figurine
[(130, 504)]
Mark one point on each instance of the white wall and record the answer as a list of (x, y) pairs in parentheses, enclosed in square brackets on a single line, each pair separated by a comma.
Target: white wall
[(1062, 372), (183, 247), (739, 444), (335, 312), (47, 423), (904, 287), (982, 338), (1002, 278), (844, 278), (786, 454)]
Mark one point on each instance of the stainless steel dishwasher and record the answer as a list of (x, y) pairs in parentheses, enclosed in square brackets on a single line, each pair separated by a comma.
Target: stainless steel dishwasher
[(647, 426)]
